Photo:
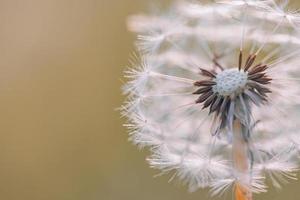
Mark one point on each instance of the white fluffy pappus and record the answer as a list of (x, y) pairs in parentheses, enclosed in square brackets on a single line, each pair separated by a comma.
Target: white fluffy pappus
[(214, 93)]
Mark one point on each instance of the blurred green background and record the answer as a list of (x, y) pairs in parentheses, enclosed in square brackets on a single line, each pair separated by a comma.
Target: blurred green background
[(61, 65)]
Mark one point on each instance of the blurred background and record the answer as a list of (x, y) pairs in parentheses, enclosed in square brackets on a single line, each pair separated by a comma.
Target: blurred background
[(61, 66)]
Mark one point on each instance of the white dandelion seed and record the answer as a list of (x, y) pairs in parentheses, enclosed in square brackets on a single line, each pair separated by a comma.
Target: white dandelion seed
[(215, 91)]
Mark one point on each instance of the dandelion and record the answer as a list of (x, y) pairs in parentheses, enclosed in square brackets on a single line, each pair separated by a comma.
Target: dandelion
[(214, 93)]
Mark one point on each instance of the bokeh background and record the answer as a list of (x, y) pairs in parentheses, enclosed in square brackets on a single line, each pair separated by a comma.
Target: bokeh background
[(61, 65)]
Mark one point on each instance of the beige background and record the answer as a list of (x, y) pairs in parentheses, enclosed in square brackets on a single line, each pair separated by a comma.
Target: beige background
[(61, 64)]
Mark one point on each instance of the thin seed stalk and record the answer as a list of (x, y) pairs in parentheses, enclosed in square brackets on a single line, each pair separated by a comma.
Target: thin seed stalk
[(241, 163)]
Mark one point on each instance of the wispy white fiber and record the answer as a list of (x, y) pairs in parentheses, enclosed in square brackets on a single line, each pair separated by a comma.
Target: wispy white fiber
[(194, 137)]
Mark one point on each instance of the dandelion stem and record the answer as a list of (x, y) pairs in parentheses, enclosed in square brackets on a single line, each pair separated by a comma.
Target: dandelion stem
[(241, 163)]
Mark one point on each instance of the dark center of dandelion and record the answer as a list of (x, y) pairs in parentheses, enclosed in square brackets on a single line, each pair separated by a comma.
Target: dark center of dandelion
[(248, 83)]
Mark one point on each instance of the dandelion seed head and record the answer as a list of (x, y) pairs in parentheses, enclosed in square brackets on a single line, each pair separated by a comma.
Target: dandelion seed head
[(214, 93)]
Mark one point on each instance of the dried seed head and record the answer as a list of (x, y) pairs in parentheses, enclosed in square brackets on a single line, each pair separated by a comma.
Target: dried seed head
[(252, 128)]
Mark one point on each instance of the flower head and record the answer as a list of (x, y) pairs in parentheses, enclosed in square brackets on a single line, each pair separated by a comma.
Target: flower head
[(215, 94)]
